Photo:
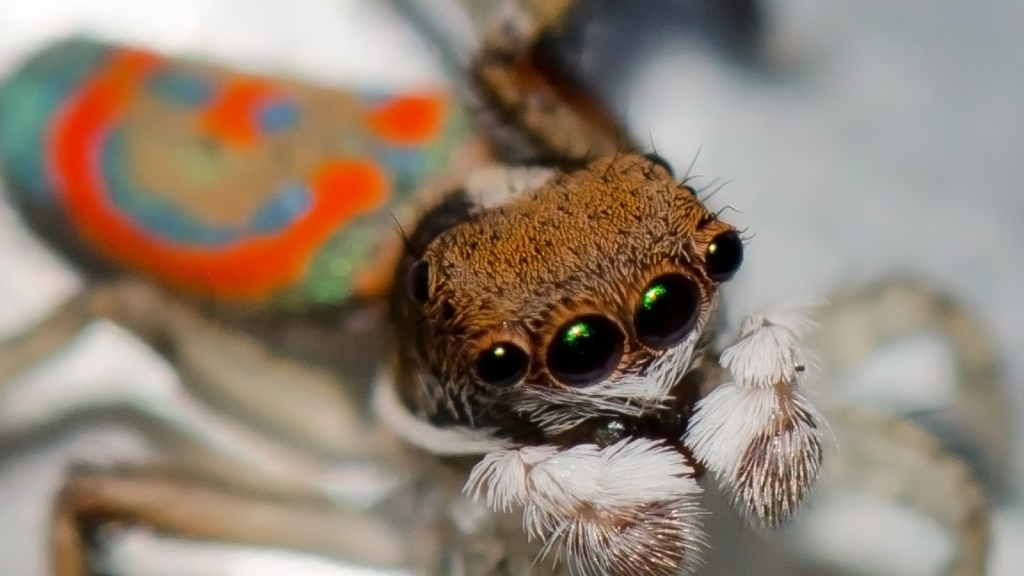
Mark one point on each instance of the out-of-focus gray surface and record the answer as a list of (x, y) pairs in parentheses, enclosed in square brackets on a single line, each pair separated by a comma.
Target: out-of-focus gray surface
[(895, 144)]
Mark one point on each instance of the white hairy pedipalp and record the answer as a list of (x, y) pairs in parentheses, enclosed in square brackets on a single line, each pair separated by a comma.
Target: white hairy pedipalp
[(605, 510), (767, 349), (758, 434)]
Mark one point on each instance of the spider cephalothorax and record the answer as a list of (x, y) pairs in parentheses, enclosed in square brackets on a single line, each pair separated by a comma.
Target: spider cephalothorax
[(565, 330), (587, 296)]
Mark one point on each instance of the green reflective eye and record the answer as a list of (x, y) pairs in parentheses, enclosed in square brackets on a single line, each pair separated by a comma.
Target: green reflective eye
[(724, 256), (503, 364), (668, 310), (653, 295), (585, 350)]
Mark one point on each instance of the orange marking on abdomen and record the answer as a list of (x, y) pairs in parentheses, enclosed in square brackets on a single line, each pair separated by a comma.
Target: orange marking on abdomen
[(408, 120), (231, 118), (249, 269)]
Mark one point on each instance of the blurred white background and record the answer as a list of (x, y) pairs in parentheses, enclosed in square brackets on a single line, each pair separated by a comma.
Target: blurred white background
[(896, 145)]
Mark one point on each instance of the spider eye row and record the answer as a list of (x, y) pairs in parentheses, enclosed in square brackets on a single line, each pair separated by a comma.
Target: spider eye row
[(587, 348), (723, 256)]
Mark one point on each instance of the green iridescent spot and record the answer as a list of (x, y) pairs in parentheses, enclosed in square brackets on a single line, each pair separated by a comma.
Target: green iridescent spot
[(652, 295), (667, 311), (330, 277), (503, 364), (576, 333), (585, 350)]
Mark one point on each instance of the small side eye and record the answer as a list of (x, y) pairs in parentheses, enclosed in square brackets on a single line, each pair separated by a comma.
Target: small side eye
[(417, 281), (668, 310), (724, 256), (654, 158), (502, 365), (585, 350)]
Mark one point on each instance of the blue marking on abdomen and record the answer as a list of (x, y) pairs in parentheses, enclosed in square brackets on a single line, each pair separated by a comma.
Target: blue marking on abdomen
[(287, 206), (163, 218), (160, 217), (29, 100), (406, 166), (181, 88), (276, 116)]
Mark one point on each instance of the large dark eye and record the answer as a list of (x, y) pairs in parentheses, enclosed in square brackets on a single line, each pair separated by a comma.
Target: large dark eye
[(724, 256), (503, 364), (655, 158), (417, 281), (668, 309), (585, 350)]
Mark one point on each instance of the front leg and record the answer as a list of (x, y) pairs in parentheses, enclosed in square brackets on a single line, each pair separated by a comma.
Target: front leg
[(533, 106), (758, 434), (185, 505)]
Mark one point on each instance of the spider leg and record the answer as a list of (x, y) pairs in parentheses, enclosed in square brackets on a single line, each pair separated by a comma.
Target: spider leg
[(170, 501), (125, 302), (977, 420), (31, 346), (236, 412), (228, 387), (902, 463), (534, 108)]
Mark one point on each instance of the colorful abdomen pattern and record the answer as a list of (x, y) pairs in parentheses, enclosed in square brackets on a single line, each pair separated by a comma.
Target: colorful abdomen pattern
[(227, 186)]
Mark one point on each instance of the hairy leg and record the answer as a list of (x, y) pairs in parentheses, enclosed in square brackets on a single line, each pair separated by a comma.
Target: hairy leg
[(32, 346), (173, 502), (232, 407), (977, 420), (902, 463), (534, 108)]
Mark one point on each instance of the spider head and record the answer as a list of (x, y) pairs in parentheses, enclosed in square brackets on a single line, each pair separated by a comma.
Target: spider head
[(561, 327), (586, 296)]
